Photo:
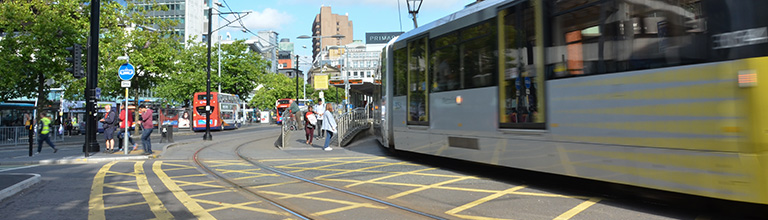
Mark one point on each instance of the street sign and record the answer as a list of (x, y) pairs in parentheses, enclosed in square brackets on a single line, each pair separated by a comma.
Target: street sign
[(98, 93), (126, 71), (125, 83)]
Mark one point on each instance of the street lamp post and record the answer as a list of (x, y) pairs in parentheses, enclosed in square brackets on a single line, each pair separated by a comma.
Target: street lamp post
[(297, 77), (338, 36), (413, 9), (207, 136)]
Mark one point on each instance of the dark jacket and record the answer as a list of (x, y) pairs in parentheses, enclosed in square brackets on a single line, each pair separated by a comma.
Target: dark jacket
[(110, 119)]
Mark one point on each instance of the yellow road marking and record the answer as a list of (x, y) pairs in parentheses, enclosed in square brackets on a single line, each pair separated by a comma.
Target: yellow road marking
[(477, 217), (203, 184), (155, 204), (345, 208), (190, 175), (122, 188), (96, 202), (483, 200), (185, 199), (344, 202), (576, 210), (428, 187), (360, 170), (116, 193), (336, 164), (303, 195), (242, 206), (211, 193), (276, 184), (126, 205), (309, 159), (387, 177)]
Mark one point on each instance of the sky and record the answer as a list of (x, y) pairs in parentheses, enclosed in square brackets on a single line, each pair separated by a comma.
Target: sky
[(292, 18)]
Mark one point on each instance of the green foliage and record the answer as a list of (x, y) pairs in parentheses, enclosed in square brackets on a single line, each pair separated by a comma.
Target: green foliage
[(279, 86), (32, 50)]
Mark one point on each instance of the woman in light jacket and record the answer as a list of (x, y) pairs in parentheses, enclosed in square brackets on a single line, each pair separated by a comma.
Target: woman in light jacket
[(329, 125)]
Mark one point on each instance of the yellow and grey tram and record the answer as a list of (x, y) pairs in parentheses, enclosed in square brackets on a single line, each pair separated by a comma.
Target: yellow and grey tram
[(664, 94)]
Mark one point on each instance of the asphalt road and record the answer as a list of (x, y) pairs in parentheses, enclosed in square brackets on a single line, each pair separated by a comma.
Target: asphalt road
[(175, 187)]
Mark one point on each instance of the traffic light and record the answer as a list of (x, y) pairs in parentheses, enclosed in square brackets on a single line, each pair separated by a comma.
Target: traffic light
[(76, 60)]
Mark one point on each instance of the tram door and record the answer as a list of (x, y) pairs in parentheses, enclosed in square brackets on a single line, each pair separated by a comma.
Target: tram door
[(519, 87)]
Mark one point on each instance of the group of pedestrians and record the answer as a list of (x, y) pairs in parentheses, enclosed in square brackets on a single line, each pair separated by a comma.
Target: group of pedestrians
[(111, 121), (320, 116)]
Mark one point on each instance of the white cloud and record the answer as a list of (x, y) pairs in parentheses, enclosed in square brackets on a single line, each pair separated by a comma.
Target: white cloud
[(268, 19)]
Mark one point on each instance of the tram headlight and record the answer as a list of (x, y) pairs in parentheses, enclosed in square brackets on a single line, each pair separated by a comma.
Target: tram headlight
[(458, 100)]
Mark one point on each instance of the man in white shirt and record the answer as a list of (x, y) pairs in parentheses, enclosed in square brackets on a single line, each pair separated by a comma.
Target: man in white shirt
[(319, 110)]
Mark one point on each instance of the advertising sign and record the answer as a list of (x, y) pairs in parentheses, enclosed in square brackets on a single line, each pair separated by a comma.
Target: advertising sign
[(321, 82), (380, 37)]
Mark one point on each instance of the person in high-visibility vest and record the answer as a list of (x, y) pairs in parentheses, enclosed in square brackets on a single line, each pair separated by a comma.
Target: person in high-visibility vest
[(45, 122)]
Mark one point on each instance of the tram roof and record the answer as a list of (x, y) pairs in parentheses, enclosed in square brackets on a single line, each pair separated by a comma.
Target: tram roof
[(482, 11)]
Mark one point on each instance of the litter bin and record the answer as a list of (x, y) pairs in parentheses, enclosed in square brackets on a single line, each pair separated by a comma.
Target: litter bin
[(167, 133)]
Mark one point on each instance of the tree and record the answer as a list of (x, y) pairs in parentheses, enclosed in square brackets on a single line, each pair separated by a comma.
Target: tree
[(35, 34), (242, 71)]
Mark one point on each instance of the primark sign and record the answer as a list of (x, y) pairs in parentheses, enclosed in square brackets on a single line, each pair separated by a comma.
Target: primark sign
[(380, 37)]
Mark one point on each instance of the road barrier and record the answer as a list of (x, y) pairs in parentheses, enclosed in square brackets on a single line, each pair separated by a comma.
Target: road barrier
[(349, 124), (18, 135)]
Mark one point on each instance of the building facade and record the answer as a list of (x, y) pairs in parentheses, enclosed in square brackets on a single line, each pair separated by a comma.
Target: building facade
[(328, 24), (191, 15)]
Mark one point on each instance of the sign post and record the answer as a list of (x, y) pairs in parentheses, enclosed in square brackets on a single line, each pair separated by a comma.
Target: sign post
[(126, 73)]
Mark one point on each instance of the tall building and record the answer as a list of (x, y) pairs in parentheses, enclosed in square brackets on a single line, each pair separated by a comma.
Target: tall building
[(191, 15), (285, 54), (328, 24)]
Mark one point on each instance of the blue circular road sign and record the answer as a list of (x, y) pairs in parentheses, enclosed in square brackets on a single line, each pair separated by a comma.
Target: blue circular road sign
[(126, 71)]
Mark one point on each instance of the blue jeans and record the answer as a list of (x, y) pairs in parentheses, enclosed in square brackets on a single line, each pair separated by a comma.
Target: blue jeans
[(120, 135), (47, 139), (328, 138), (146, 143)]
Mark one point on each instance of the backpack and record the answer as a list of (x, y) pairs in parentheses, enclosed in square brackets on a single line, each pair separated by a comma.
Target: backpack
[(311, 118)]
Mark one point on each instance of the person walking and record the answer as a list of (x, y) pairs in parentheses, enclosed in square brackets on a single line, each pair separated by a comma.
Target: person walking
[(121, 133), (329, 126), (108, 122), (319, 110), (310, 122), (45, 122), (146, 123)]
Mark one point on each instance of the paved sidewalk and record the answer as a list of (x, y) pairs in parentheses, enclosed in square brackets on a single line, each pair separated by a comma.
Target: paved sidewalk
[(70, 152)]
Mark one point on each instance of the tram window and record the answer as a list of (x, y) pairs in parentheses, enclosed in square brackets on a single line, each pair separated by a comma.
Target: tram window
[(418, 111), (594, 37), (519, 95), (444, 63), (401, 70), (478, 55)]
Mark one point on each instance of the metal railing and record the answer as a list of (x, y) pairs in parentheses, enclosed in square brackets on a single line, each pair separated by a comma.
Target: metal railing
[(18, 135), (348, 124)]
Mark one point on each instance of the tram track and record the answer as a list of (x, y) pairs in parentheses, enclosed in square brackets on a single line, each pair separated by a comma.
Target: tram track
[(290, 208)]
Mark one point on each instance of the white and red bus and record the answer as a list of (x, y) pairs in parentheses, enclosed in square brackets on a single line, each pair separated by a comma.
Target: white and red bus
[(223, 111)]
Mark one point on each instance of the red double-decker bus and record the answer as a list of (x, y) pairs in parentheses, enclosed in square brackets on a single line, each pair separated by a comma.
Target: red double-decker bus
[(224, 108), (281, 105)]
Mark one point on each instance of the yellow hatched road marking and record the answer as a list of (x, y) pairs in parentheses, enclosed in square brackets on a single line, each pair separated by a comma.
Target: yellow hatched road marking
[(121, 188), (303, 195), (185, 199), (311, 159), (576, 210), (126, 205), (478, 217), (190, 175), (345, 208), (276, 184), (96, 202), (211, 193), (344, 202), (155, 204), (428, 187), (483, 200), (203, 184), (117, 193), (336, 164), (360, 170), (387, 177), (242, 206)]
